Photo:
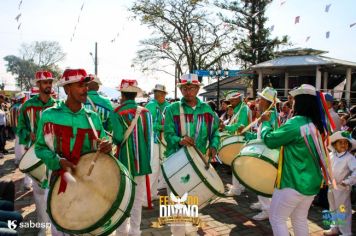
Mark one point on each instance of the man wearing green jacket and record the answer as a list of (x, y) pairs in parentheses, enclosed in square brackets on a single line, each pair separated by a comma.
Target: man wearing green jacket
[(201, 129), (133, 137), (29, 118), (268, 98), (61, 142), (239, 120), (157, 107), (299, 174), (99, 104)]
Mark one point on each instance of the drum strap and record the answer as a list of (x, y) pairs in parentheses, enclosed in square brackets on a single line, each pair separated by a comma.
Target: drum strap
[(232, 120), (92, 104), (132, 125), (182, 121)]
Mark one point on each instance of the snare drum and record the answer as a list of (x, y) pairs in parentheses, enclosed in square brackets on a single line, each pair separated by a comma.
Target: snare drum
[(184, 171), (229, 148), (33, 166), (256, 167), (95, 204)]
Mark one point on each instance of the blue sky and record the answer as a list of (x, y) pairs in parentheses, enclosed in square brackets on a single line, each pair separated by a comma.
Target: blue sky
[(101, 21)]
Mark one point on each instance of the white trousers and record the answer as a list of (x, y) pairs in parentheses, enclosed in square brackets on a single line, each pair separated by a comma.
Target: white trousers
[(19, 150), (40, 198), (337, 198), (265, 203), (131, 226), (289, 203)]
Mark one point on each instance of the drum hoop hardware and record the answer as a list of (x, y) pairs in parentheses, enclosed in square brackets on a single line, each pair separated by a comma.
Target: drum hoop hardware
[(111, 211)]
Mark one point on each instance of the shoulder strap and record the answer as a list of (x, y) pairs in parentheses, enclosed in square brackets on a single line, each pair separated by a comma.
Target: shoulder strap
[(182, 120), (132, 125), (92, 104)]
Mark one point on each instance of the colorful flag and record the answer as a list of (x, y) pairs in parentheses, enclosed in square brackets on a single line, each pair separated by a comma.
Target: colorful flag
[(307, 39), (327, 7), (296, 20), (327, 34)]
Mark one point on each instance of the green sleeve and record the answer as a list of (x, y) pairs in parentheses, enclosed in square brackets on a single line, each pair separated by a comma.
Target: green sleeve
[(170, 133), (23, 131), (215, 141), (242, 120), (49, 157), (250, 136), (281, 136), (108, 124), (117, 128)]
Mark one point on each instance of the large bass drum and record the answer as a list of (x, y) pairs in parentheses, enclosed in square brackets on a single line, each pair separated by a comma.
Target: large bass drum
[(184, 171), (95, 204), (256, 167)]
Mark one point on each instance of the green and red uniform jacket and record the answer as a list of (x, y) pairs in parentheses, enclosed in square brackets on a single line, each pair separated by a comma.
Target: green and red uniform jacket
[(157, 111), (65, 134), (135, 153), (30, 115), (201, 124)]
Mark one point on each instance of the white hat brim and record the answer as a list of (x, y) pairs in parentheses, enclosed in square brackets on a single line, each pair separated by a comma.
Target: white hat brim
[(337, 136), (261, 95), (302, 91)]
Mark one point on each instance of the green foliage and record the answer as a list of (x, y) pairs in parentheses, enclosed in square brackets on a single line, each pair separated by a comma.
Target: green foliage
[(34, 57)]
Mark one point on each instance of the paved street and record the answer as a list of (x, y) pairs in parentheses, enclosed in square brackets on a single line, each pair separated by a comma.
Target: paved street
[(227, 216)]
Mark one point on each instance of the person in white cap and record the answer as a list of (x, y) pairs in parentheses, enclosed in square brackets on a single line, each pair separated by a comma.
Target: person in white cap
[(98, 103), (157, 107), (29, 118), (268, 98), (200, 130), (343, 165), (299, 174), (239, 120), (134, 144)]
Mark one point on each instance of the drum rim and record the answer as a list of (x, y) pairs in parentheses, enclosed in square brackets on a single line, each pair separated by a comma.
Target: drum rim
[(31, 168), (221, 146), (243, 182), (110, 212), (196, 169)]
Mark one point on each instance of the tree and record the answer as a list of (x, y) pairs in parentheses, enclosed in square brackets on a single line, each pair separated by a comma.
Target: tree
[(44, 53), (34, 56), (185, 36), (23, 69), (256, 44)]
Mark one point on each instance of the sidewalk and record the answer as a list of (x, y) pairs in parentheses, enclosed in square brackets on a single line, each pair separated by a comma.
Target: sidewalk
[(226, 216)]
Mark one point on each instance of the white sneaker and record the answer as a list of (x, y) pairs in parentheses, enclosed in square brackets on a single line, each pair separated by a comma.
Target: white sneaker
[(256, 206), (263, 215)]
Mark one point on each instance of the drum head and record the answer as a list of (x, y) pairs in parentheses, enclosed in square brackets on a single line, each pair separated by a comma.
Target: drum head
[(230, 148), (87, 201), (256, 173), (211, 177), (29, 160)]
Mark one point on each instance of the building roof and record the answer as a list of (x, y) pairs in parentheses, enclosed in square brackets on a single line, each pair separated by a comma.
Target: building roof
[(304, 60)]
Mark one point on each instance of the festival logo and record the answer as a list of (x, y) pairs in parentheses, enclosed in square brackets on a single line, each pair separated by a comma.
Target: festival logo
[(176, 210), (337, 217)]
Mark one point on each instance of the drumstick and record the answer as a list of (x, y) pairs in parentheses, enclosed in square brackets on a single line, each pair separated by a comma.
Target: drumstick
[(94, 160), (207, 165), (69, 178), (257, 120)]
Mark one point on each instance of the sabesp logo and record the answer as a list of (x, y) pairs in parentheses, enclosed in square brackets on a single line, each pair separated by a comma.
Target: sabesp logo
[(12, 224)]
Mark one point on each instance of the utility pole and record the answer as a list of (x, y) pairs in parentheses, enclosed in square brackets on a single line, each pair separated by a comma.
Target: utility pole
[(96, 58)]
